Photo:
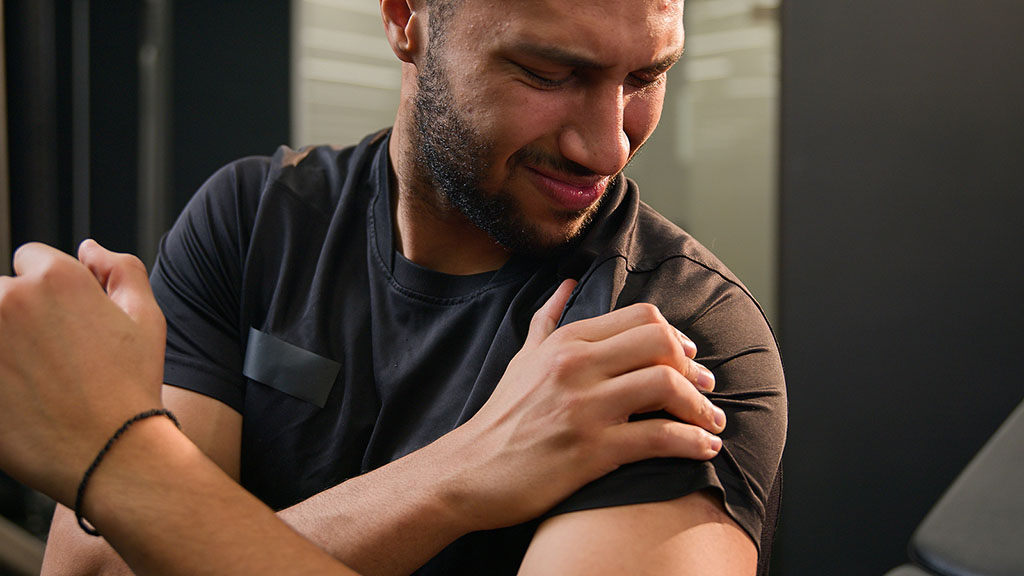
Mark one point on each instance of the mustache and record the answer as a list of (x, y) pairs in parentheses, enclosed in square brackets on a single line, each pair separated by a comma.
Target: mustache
[(535, 157)]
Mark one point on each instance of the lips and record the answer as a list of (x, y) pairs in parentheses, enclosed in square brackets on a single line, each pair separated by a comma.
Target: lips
[(570, 193)]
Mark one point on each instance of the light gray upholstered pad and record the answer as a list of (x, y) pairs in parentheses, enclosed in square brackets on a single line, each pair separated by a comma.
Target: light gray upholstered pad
[(977, 527)]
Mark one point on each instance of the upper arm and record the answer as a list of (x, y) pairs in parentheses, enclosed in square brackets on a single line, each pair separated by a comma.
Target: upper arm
[(688, 535), (211, 425)]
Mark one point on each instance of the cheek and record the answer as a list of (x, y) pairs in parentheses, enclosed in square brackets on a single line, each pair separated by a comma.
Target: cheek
[(516, 120)]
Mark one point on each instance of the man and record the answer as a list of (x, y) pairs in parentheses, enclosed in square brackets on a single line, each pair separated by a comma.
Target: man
[(348, 330), (78, 357)]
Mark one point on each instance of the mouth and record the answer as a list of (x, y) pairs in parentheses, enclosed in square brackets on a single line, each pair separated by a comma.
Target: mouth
[(569, 192)]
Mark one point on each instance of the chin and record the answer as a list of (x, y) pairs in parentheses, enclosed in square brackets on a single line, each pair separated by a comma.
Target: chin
[(544, 242)]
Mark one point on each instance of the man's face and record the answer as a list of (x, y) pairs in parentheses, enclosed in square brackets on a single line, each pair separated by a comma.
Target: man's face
[(526, 110)]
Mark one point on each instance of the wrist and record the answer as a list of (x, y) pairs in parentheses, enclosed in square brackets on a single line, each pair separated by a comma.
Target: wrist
[(83, 485), (143, 456), (458, 481)]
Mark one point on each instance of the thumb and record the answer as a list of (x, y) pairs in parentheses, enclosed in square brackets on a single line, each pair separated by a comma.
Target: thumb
[(124, 279), (545, 320)]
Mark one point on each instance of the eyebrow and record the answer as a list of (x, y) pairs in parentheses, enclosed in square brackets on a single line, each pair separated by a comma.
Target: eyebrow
[(569, 59)]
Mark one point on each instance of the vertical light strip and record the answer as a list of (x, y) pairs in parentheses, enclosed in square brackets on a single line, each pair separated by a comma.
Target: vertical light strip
[(345, 79), (5, 194), (154, 126), (298, 86), (80, 140)]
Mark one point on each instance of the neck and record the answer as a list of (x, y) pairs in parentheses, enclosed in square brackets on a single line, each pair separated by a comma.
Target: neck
[(429, 231)]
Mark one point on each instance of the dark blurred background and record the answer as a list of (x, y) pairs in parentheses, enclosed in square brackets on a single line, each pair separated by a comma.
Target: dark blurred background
[(116, 112), (899, 217)]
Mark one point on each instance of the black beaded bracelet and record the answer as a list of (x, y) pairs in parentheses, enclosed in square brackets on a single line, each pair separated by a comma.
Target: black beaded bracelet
[(99, 457)]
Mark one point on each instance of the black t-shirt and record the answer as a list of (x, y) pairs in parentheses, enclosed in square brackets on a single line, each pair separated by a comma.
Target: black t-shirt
[(286, 300)]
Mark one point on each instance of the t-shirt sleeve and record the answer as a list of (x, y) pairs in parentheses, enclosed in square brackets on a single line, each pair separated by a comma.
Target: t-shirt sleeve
[(735, 342), (197, 281)]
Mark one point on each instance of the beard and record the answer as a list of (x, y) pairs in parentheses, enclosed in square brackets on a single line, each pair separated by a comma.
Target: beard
[(452, 161)]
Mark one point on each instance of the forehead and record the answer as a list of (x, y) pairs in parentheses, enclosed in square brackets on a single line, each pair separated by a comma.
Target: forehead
[(615, 32)]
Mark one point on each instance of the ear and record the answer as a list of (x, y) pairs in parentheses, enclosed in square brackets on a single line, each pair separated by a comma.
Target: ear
[(405, 27)]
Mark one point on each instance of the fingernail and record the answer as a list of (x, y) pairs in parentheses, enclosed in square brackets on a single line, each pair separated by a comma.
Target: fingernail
[(688, 346), (716, 443), (705, 379), (719, 417)]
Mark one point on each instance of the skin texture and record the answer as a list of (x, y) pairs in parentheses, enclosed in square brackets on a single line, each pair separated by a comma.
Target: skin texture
[(544, 114), (81, 353), (153, 504), (35, 327), (537, 101)]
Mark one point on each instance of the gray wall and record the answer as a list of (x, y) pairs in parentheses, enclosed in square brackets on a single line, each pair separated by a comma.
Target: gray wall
[(902, 263), (711, 166)]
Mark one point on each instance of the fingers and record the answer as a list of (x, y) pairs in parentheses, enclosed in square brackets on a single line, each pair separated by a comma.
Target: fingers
[(124, 278), (620, 320), (545, 320), (649, 344), (661, 388), (660, 438), (635, 337), (33, 258)]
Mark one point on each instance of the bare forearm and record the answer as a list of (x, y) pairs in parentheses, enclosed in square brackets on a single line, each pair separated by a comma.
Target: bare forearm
[(170, 511), (72, 552), (391, 520)]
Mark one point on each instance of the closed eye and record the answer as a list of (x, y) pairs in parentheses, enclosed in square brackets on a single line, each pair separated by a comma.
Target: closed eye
[(545, 80), (644, 82)]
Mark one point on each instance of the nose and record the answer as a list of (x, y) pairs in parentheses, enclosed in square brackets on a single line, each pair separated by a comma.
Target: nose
[(594, 136)]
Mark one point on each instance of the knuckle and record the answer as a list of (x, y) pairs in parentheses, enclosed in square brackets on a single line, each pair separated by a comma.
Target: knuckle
[(691, 370), (566, 360), (537, 316), (649, 312), (659, 382), (571, 332), (663, 372), (50, 273), (704, 443), (60, 278), (562, 335), (666, 335), (702, 410), (538, 321), (698, 410), (663, 438), (14, 300), (666, 378), (131, 261), (669, 346)]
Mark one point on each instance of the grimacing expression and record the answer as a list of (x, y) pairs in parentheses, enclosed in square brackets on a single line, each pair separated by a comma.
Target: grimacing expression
[(523, 126), (456, 162)]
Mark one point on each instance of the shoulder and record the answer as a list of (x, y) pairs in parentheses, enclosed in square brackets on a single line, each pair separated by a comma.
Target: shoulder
[(315, 175), (701, 296), (638, 255), (656, 241), (321, 175)]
